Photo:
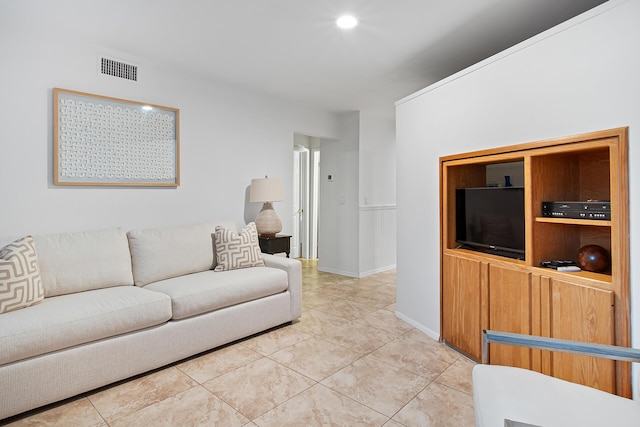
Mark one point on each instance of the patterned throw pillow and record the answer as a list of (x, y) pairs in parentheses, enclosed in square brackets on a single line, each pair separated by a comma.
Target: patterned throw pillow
[(20, 283), (237, 250)]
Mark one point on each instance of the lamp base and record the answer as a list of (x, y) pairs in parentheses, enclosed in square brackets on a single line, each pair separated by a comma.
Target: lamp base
[(267, 222)]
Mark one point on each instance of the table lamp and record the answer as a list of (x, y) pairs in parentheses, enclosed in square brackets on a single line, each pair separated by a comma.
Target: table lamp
[(267, 190)]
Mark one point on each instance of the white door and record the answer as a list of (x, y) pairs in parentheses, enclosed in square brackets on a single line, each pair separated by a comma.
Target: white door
[(313, 205), (306, 191), (303, 207), (295, 237)]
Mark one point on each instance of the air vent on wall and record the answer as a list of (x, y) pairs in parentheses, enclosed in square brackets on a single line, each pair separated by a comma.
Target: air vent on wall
[(115, 68)]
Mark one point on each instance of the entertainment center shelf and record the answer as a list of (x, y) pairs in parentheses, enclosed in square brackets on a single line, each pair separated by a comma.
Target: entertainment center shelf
[(594, 222), (587, 278), (482, 290)]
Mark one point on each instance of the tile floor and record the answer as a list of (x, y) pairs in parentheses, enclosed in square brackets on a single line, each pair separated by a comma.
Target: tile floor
[(347, 362)]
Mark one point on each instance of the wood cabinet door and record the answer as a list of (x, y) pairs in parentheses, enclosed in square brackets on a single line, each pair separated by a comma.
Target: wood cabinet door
[(586, 314), (510, 310), (461, 283)]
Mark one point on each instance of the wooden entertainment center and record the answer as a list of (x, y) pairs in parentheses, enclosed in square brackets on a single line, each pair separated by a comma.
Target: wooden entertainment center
[(485, 291)]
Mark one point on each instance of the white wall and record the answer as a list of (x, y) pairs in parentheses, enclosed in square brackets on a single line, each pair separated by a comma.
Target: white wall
[(377, 160), (357, 226), (377, 194), (228, 136), (578, 77), (377, 225), (338, 222)]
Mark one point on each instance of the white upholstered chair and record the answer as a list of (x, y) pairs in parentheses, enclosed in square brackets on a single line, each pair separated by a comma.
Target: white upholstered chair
[(508, 396)]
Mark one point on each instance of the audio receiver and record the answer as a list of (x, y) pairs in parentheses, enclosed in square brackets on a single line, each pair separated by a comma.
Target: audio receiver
[(591, 209)]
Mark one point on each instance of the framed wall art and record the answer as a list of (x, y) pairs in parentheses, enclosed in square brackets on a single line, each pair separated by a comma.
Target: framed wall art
[(108, 141)]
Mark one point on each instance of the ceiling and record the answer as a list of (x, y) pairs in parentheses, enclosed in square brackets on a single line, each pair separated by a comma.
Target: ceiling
[(292, 48)]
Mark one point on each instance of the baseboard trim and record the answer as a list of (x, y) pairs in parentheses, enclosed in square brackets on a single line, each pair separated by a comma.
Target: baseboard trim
[(339, 272), (418, 326), (357, 275), (378, 270)]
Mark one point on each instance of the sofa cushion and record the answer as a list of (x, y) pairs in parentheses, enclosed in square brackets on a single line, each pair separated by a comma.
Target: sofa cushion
[(68, 320), (82, 261), (162, 253), (237, 250), (199, 293), (20, 282)]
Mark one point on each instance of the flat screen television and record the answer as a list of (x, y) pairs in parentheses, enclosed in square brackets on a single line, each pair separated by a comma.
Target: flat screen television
[(491, 219)]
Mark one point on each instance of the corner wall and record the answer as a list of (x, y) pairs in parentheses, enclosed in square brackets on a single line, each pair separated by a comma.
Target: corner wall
[(338, 212), (377, 194), (578, 77), (357, 222)]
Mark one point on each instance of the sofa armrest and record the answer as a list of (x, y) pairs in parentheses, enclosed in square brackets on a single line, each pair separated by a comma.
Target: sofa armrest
[(294, 272)]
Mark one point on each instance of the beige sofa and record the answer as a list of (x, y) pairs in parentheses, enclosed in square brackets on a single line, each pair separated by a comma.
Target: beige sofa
[(118, 304)]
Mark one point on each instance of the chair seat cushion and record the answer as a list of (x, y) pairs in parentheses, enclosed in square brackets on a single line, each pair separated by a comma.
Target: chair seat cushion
[(206, 291), (504, 392), (69, 320)]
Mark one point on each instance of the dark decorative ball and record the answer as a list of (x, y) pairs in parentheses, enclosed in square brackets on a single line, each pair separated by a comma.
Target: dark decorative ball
[(593, 258)]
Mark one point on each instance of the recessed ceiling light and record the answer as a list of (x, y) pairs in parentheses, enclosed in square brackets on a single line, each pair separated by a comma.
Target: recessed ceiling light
[(346, 22)]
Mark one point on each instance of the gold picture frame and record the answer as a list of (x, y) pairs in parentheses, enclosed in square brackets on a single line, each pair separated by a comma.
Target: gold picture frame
[(99, 140)]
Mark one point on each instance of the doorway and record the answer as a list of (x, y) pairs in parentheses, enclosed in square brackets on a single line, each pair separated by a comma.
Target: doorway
[(306, 180)]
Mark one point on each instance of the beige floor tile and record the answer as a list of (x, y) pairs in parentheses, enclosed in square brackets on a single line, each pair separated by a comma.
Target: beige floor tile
[(338, 290), (315, 358), (218, 362), (377, 385), (387, 321), (317, 297), (444, 352), (391, 307), (276, 340), (329, 280), (126, 398), (309, 284), (320, 406), (316, 322), (381, 280), (258, 387), (438, 405), (414, 356), (372, 297), (78, 412), (392, 423), (384, 288), (458, 376), (357, 337), (194, 407), (345, 309)]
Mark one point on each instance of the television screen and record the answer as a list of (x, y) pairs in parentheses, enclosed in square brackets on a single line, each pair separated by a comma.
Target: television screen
[(491, 219)]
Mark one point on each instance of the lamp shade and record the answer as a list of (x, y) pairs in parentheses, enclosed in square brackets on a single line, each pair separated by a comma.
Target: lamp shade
[(266, 190)]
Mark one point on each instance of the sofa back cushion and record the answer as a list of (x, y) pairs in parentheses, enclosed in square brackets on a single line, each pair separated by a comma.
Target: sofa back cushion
[(82, 261), (163, 253)]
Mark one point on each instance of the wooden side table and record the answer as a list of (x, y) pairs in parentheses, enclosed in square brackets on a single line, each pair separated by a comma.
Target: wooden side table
[(274, 245)]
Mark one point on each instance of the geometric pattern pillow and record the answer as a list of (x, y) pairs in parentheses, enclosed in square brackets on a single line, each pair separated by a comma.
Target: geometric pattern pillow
[(237, 250), (20, 283)]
